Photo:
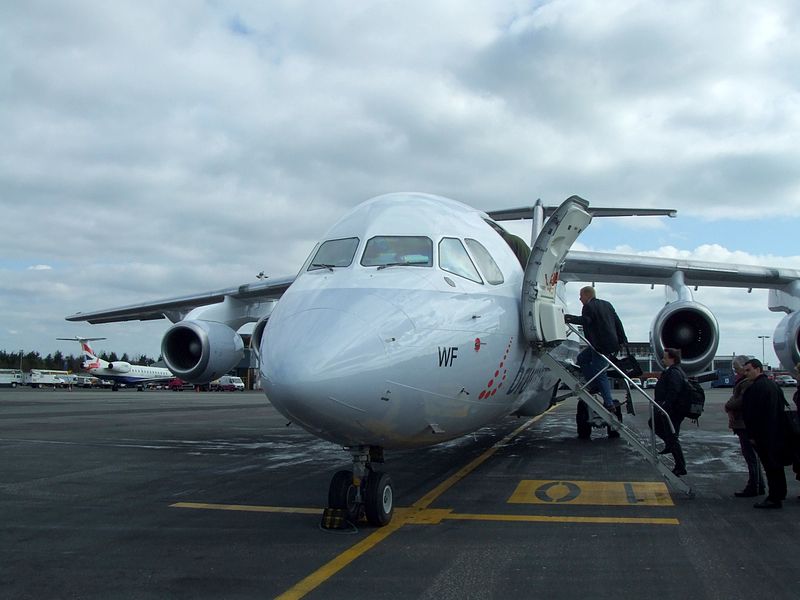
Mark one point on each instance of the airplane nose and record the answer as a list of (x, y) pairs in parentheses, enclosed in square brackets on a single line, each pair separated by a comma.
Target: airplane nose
[(320, 355)]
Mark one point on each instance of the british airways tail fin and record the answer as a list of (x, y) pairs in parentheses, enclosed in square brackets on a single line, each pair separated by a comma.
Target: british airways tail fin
[(89, 355)]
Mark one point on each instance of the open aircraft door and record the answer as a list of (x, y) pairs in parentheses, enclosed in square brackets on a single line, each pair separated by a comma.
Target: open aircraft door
[(542, 317)]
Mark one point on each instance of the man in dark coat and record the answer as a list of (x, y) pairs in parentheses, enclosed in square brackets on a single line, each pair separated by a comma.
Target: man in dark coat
[(755, 480), (605, 333), (670, 394), (603, 329), (762, 410)]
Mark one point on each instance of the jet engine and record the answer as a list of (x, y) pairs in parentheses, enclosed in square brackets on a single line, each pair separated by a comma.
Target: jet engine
[(690, 327), (119, 367), (201, 351), (257, 335), (786, 340)]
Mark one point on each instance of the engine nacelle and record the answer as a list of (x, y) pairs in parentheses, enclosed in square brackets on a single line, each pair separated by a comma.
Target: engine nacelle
[(201, 351), (257, 335), (690, 327), (119, 367), (786, 340)]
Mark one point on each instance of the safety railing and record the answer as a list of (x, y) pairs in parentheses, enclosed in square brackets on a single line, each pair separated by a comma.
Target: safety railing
[(652, 404)]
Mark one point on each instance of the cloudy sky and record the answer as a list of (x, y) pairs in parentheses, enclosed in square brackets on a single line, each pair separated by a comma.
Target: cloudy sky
[(152, 149)]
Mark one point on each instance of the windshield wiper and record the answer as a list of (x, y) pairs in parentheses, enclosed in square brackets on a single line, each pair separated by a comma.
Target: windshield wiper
[(403, 264), (323, 266)]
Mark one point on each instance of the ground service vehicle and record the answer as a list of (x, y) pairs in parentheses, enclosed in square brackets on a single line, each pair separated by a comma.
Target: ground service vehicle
[(10, 378), (42, 377), (178, 385), (228, 383)]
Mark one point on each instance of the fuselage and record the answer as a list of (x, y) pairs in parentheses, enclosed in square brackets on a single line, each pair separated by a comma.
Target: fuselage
[(400, 332), (134, 374)]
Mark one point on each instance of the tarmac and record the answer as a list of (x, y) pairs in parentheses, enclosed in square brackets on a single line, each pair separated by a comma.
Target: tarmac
[(158, 494)]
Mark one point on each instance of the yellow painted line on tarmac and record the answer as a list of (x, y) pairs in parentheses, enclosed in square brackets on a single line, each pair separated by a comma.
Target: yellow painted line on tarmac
[(433, 516), (596, 493), (332, 567), (248, 508), (564, 519)]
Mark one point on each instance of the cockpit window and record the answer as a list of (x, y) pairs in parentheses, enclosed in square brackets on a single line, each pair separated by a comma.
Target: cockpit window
[(334, 253), (398, 250), (485, 262), (453, 258)]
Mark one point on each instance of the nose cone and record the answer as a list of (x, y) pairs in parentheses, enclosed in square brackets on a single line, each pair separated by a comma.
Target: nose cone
[(319, 365)]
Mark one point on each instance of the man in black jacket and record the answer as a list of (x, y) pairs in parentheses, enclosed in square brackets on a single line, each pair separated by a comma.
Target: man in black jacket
[(670, 394), (762, 409), (603, 329), (605, 333)]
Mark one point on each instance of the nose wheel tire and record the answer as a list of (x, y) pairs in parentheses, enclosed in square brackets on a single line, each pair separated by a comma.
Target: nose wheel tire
[(379, 499), (342, 495)]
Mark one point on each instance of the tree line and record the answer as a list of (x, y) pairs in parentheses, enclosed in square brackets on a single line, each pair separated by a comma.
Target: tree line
[(62, 362)]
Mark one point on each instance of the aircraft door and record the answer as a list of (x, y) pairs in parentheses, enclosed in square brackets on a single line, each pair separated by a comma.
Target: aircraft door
[(542, 315)]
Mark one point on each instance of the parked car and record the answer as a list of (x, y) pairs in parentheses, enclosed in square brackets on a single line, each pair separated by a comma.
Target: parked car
[(650, 382), (637, 381), (785, 380), (228, 383)]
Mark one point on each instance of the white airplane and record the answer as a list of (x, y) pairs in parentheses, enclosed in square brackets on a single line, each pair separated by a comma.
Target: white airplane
[(120, 372), (412, 322)]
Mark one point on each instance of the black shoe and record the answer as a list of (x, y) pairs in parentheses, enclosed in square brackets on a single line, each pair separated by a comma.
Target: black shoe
[(612, 435), (747, 493), (768, 504), (679, 471)]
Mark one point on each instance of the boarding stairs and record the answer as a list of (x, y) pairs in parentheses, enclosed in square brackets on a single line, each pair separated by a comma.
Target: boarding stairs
[(544, 327), (646, 446)]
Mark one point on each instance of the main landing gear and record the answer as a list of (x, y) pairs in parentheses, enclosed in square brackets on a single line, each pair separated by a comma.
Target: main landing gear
[(363, 491)]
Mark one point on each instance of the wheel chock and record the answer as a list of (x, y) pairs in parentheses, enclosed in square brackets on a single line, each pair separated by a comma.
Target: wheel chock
[(335, 518)]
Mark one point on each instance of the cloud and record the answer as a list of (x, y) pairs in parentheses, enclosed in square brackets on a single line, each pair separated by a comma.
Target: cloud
[(40, 268), (153, 150)]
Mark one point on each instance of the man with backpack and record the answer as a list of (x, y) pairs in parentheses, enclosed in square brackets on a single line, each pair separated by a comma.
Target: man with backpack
[(671, 395)]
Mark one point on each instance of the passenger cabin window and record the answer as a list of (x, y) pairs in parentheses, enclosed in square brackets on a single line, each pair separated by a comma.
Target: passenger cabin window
[(334, 253), (485, 262), (398, 250), (453, 258)]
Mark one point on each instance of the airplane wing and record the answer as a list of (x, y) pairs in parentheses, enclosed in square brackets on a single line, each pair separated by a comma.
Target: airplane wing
[(623, 268), (175, 309)]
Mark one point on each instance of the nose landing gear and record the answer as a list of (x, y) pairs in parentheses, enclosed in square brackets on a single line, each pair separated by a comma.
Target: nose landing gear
[(363, 492)]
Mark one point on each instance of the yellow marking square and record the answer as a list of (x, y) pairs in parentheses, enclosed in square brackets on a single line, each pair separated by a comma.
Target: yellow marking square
[(596, 493)]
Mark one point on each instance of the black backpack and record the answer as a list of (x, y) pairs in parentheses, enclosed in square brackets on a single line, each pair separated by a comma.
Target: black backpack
[(695, 399)]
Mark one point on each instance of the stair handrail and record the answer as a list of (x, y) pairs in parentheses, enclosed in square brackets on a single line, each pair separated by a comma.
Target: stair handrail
[(653, 404)]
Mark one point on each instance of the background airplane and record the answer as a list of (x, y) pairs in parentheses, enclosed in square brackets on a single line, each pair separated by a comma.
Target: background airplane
[(412, 322), (119, 372)]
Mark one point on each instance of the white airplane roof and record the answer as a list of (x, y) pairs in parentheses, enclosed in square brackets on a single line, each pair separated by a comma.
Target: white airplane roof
[(408, 213)]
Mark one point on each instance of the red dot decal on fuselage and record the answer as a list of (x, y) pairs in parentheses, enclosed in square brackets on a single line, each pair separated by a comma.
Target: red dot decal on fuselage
[(490, 390)]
